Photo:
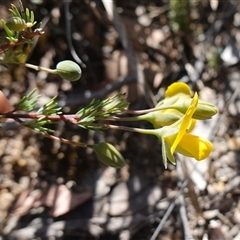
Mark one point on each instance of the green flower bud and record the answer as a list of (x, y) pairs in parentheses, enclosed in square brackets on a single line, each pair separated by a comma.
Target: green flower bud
[(16, 24), (69, 70), (109, 155), (204, 110)]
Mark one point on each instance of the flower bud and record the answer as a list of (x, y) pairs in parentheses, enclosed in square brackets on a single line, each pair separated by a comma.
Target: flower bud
[(69, 70), (204, 110), (109, 155), (16, 24)]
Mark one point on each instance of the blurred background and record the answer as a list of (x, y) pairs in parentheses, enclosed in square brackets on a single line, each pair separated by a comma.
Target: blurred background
[(50, 190)]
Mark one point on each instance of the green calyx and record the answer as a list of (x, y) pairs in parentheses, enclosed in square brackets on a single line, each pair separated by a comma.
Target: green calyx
[(161, 118)]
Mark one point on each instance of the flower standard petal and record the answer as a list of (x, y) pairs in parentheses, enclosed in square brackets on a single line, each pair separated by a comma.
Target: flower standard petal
[(178, 88), (176, 92), (185, 122)]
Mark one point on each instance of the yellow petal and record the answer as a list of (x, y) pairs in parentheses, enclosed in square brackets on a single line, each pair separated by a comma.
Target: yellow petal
[(191, 125), (194, 146), (177, 88), (186, 121)]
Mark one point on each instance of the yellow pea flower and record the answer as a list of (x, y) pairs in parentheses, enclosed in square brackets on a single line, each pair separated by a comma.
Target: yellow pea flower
[(175, 138), (174, 118), (178, 98)]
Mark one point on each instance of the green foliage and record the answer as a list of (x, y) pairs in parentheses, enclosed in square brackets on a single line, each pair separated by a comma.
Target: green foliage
[(86, 117), (39, 125), (28, 102), (11, 35), (99, 110), (19, 34), (50, 108), (26, 16)]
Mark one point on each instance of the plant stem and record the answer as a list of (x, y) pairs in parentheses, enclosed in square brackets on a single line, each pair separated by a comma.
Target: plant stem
[(139, 112), (21, 40), (38, 68), (71, 117), (129, 129), (122, 119), (66, 141)]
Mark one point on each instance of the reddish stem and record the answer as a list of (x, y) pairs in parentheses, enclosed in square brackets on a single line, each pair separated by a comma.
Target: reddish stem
[(21, 40), (71, 118), (64, 117)]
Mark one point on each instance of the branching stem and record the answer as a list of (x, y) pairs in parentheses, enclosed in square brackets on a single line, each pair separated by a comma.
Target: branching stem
[(64, 117), (73, 118)]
